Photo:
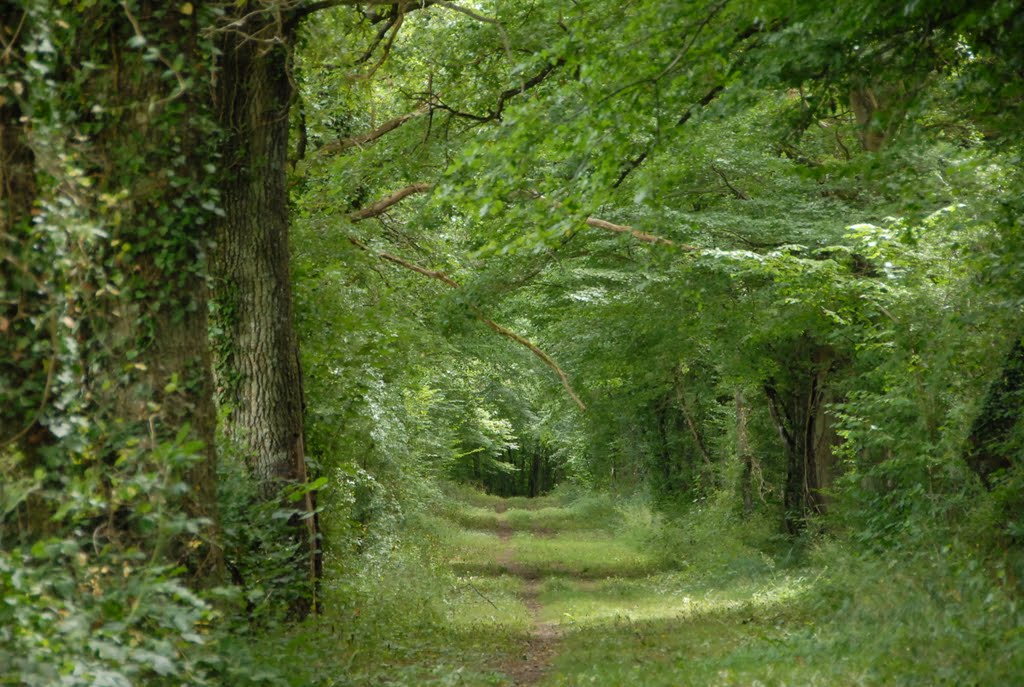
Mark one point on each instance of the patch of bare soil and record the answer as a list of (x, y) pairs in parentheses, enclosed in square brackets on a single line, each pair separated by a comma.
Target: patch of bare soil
[(533, 661)]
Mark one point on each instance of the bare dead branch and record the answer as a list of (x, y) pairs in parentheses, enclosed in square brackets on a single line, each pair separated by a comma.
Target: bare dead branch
[(378, 208), (637, 234), (509, 334)]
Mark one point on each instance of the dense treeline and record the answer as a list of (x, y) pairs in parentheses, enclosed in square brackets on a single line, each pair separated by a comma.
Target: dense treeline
[(765, 255)]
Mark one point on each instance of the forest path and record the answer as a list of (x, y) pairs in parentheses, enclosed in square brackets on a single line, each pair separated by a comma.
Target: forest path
[(548, 558), (533, 663), (583, 595)]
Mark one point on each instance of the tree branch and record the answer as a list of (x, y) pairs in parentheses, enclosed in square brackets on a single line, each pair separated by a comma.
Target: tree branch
[(392, 18), (752, 30), (509, 334), (739, 193), (637, 234), (494, 326), (504, 96), (342, 144), (378, 208), (305, 9), (690, 111)]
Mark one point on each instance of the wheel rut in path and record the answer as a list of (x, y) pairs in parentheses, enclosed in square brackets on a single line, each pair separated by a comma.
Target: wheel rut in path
[(534, 661)]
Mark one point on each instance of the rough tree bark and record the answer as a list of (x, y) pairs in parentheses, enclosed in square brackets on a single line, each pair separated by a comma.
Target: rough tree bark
[(259, 368)]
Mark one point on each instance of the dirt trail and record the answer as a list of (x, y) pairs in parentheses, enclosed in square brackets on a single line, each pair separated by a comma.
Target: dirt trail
[(534, 661)]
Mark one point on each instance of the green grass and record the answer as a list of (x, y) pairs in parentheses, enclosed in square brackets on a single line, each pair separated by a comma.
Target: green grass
[(472, 517), (705, 598), (590, 555), (594, 512), (480, 603), (477, 553)]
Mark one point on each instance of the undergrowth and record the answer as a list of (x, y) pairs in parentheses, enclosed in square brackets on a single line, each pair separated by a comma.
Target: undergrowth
[(704, 596)]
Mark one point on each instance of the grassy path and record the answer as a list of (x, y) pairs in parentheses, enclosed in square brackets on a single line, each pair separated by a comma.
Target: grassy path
[(592, 591), (574, 570), (529, 666)]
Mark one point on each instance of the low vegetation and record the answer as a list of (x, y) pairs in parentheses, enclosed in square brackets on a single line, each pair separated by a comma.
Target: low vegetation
[(652, 603)]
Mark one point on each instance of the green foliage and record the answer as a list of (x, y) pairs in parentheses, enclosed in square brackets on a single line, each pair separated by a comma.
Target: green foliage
[(259, 547), (99, 600)]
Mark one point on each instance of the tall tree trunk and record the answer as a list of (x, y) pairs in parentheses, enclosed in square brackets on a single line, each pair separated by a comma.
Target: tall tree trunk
[(260, 363), (866, 109)]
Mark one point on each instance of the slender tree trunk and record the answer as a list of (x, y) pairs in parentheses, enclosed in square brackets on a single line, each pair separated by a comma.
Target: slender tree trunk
[(535, 473), (745, 455), (697, 435), (259, 366)]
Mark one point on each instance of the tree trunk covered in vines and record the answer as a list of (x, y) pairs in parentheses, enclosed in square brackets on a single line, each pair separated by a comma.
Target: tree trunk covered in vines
[(132, 294), (22, 303), (259, 363), (27, 363)]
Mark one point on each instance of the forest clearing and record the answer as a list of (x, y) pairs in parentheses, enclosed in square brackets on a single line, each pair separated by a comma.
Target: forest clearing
[(348, 343)]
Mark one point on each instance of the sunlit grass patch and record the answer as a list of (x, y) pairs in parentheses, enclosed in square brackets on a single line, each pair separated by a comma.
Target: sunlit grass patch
[(487, 604), (657, 597), (477, 553), (658, 632), (472, 517), (587, 555), (593, 512)]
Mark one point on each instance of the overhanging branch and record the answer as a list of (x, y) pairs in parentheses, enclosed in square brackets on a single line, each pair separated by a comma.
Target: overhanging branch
[(494, 326), (381, 206), (504, 96), (636, 233)]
